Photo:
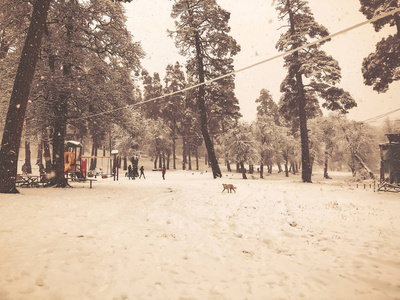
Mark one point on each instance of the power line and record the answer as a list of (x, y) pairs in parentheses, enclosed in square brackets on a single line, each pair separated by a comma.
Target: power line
[(373, 119), (374, 19)]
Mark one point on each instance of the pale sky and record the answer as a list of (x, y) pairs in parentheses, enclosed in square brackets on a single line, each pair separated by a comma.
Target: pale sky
[(255, 27)]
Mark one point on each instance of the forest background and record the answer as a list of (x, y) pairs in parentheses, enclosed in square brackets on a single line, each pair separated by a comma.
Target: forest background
[(89, 86)]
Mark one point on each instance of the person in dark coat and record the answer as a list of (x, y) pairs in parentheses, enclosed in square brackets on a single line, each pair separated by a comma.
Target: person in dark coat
[(130, 174), (164, 170), (142, 172)]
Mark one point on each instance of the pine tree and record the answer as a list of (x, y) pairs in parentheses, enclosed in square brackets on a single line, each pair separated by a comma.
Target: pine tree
[(240, 146), (266, 129), (173, 109), (312, 74), (152, 89), (381, 68), (86, 66), (267, 106), (325, 132), (202, 35)]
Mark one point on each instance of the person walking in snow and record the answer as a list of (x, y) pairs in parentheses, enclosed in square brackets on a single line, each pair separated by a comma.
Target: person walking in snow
[(163, 172), (130, 173), (142, 172)]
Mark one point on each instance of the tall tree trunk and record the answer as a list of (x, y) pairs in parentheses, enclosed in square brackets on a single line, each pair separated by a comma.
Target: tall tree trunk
[(286, 169), (301, 103), (261, 170), (197, 158), (19, 98), (352, 166), (184, 159), (228, 166), (190, 158), (60, 108), (174, 152), (279, 167), (155, 161), (60, 122), (243, 170), (203, 113), (306, 170), (125, 166), (326, 165), (93, 161), (47, 156), (28, 164), (364, 166), (39, 158)]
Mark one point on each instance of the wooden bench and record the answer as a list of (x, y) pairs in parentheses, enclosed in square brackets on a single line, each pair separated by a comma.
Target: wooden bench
[(76, 179)]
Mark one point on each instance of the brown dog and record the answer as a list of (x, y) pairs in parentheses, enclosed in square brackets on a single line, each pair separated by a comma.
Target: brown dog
[(229, 187)]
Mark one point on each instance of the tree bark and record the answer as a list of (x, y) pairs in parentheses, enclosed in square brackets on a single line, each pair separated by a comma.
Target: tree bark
[(125, 165), (261, 170), (203, 113), (243, 170), (174, 152), (279, 167), (326, 165), (60, 124), (301, 103), (28, 164), (306, 170), (47, 156), (93, 161), (168, 159), (184, 159), (197, 158), (228, 166), (39, 158), (190, 158), (19, 98), (286, 170), (155, 161), (364, 166)]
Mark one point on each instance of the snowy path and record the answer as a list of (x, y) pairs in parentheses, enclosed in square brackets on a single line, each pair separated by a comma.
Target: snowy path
[(183, 239)]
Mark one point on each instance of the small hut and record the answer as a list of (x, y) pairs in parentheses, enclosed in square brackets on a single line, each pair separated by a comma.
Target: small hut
[(390, 160)]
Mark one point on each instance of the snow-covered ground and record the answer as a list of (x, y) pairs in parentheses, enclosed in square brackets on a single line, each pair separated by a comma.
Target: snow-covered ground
[(183, 238)]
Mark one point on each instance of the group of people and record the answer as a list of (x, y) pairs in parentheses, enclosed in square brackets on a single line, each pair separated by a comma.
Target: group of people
[(132, 172)]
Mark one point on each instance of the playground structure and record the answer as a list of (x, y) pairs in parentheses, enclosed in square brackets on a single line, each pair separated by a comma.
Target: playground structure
[(112, 163), (74, 167), (77, 165), (103, 171), (390, 164)]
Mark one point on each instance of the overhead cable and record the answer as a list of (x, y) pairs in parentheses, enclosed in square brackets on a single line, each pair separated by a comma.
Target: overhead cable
[(374, 19)]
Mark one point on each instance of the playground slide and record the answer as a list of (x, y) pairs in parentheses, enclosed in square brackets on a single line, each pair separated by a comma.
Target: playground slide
[(70, 160)]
